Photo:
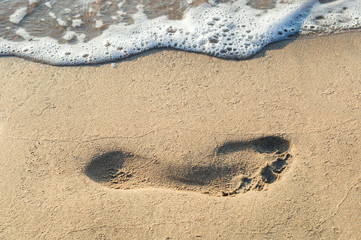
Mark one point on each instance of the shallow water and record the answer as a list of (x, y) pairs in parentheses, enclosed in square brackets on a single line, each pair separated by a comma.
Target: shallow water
[(55, 18), (70, 32)]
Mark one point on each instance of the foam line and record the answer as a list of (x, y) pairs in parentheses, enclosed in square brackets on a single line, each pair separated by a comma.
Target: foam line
[(227, 30)]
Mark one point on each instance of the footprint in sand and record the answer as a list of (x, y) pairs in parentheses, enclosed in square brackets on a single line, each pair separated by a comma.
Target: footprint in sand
[(235, 167)]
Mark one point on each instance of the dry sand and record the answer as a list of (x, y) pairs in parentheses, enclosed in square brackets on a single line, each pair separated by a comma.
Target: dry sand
[(144, 150)]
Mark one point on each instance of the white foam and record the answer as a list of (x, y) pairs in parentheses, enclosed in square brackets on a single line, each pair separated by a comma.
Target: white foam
[(99, 23), (48, 4), (334, 16), (31, 2), (52, 15), (228, 30), (81, 37), (120, 4), (62, 22), (69, 35), (77, 23), (18, 15), (22, 33)]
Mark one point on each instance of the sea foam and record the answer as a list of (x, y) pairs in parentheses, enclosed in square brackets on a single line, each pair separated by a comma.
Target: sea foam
[(233, 30), (18, 15)]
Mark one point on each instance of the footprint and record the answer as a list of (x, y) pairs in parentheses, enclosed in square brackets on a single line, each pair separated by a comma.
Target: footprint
[(233, 168)]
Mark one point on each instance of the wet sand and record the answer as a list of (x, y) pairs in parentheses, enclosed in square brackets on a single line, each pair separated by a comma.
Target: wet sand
[(177, 145)]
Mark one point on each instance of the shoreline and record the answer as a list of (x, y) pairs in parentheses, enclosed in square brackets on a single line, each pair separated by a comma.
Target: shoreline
[(175, 109), (155, 50)]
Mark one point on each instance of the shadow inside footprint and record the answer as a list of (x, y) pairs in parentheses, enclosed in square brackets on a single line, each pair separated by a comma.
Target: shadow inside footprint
[(200, 175), (235, 167), (271, 144), (267, 175), (103, 167), (231, 147), (280, 164)]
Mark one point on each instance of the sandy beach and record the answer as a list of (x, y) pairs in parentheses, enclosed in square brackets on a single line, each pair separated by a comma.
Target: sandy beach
[(178, 145)]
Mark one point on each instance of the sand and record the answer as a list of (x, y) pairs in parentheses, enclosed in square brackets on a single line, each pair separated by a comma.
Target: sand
[(177, 145)]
